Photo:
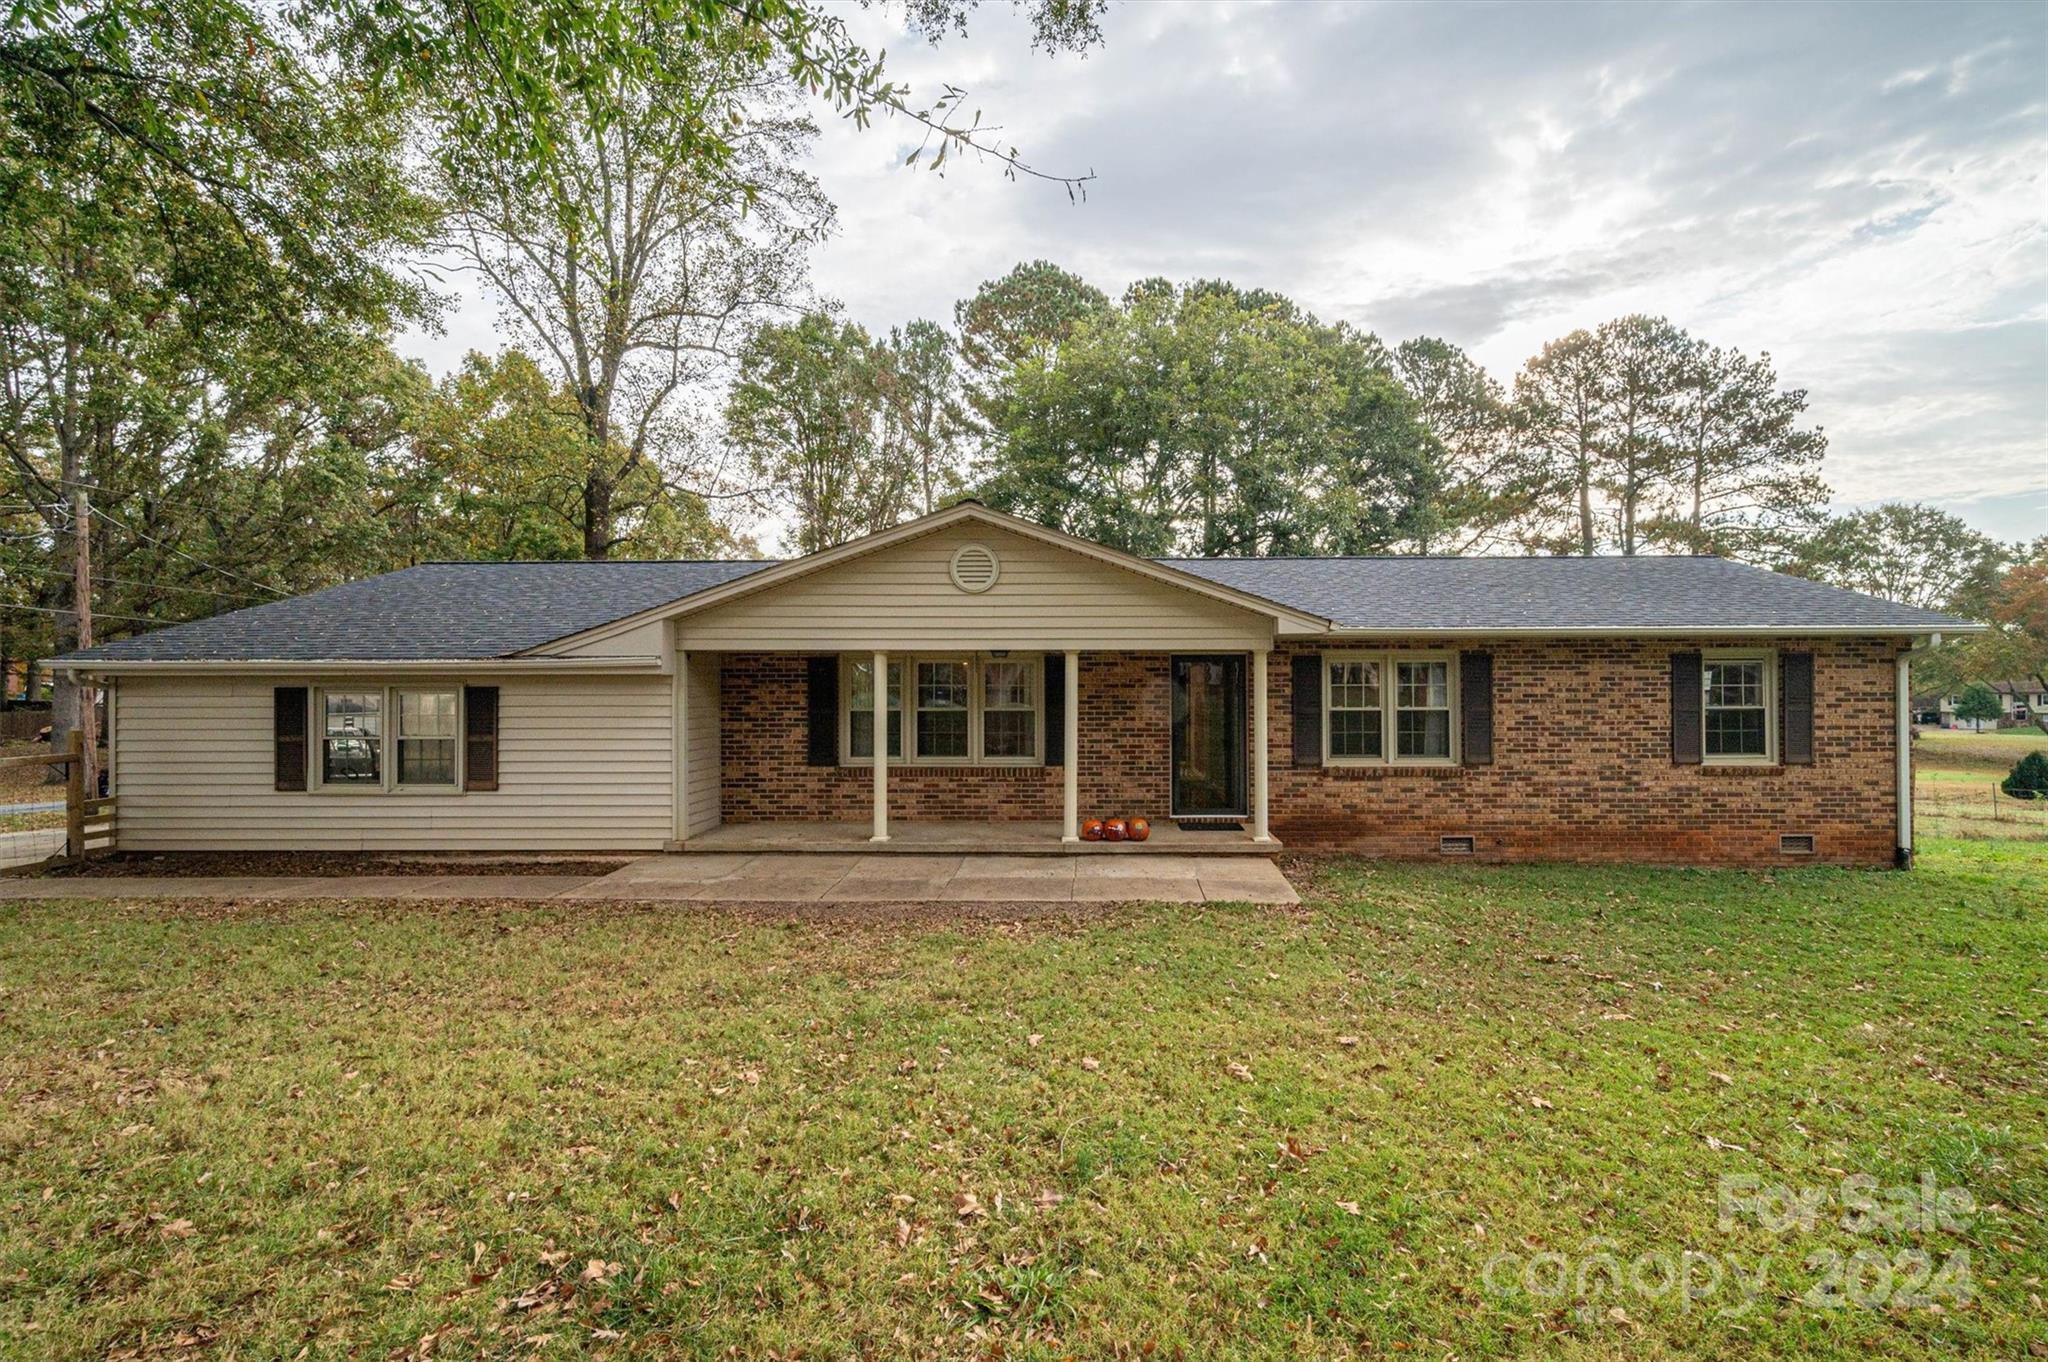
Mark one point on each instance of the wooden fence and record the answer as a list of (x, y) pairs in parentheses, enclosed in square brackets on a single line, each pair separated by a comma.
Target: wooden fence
[(89, 823)]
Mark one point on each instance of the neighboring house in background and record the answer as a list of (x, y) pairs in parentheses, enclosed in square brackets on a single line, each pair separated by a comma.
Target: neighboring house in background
[(1602, 709), (2024, 701)]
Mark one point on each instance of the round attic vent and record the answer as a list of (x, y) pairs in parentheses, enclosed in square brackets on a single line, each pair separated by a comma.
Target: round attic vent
[(975, 568)]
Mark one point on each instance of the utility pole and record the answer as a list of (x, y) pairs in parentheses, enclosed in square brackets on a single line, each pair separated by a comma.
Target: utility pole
[(81, 590)]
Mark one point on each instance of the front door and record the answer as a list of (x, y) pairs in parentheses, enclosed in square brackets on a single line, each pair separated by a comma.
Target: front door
[(1208, 736)]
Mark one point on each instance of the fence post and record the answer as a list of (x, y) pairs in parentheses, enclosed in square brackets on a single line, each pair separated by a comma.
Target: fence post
[(74, 796)]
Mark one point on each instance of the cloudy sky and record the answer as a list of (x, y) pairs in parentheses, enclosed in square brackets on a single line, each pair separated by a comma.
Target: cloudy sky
[(1862, 191)]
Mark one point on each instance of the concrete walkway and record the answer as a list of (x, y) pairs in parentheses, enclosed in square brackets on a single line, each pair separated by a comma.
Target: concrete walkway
[(739, 878)]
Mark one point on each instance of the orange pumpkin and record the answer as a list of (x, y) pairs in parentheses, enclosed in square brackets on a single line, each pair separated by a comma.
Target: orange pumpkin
[(1091, 829), (1138, 829), (1114, 830)]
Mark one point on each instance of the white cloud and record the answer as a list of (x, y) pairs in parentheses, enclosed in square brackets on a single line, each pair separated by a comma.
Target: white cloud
[(1858, 191)]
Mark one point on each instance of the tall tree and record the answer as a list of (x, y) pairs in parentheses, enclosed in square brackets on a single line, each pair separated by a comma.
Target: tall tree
[(634, 267), (1479, 482), (810, 413), (927, 423), (1640, 359), (1021, 316), (1208, 420), (158, 333), (1746, 473), (1907, 552), (1560, 418)]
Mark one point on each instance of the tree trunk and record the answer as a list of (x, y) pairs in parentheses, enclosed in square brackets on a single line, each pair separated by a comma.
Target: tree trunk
[(1585, 511)]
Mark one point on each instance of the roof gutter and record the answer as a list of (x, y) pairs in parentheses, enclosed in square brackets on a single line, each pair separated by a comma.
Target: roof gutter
[(338, 667), (1665, 631)]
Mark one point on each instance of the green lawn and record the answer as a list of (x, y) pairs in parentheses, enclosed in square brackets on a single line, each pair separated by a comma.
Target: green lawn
[(1956, 775), (521, 1131)]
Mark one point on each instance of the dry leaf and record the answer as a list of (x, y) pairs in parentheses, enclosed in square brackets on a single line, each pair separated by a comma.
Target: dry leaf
[(1347, 1041), (1033, 1039), (1540, 1104), (178, 1229), (1091, 1063), (966, 1206), (1047, 1199), (1239, 1072), (1349, 1208), (1721, 1078)]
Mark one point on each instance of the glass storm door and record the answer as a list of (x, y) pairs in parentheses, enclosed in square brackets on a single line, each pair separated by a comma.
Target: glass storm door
[(1208, 736)]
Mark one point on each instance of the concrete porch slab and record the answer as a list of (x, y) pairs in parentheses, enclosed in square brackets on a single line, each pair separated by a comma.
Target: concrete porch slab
[(921, 838), (765, 878)]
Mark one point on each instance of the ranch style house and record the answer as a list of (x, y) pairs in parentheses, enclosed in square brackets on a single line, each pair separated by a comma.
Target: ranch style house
[(972, 680)]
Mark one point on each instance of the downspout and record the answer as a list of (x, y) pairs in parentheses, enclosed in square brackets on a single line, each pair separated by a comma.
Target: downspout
[(1902, 741)]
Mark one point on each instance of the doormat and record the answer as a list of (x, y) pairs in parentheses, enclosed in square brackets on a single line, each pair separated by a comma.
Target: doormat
[(1211, 827)]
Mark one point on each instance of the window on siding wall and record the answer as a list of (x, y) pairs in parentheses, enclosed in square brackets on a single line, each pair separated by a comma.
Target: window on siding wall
[(352, 737), (427, 728), (1738, 706), (1381, 707), (860, 709)]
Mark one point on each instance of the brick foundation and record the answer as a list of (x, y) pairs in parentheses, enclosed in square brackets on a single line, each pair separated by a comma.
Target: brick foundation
[(1582, 763)]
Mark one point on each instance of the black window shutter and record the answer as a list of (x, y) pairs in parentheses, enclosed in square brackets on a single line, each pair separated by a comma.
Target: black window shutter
[(1305, 693), (823, 748), (1685, 709), (1797, 671), (1475, 697), (288, 736), (479, 737), (1055, 709)]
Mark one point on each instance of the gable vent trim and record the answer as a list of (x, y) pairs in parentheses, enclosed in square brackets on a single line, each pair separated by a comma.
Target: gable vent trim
[(975, 568)]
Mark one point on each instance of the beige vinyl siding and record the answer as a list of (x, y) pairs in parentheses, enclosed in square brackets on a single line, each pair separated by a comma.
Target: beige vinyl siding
[(903, 598), (583, 762), (700, 735)]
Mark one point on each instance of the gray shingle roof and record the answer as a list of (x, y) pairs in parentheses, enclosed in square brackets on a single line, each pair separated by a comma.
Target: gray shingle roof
[(434, 612), (466, 611), (1423, 594)]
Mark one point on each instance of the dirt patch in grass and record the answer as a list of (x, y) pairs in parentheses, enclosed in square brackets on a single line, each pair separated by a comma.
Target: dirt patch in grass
[(212, 864)]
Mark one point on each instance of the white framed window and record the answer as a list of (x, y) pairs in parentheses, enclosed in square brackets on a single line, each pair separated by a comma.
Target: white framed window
[(1422, 709), (427, 730), (1355, 704), (379, 739), (982, 710), (1009, 710), (352, 738), (1738, 707), (1390, 708), (858, 740), (945, 700)]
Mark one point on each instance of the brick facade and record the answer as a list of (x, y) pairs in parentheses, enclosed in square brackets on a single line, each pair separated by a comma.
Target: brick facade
[(1582, 763)]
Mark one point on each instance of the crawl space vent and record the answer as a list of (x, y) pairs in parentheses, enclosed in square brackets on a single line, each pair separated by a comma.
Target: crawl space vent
[(1455, 846), (975, 568), (1796, 844)]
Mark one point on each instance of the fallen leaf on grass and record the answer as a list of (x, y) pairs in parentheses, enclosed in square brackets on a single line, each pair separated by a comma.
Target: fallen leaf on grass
[(1033, 1040), (1724, 1080), (1718, 1145), (1541, 1104), (178, 1229), (1091, 1063), (1350, 1208), (966, 1206), (1239, 1072), (1347, 1041)]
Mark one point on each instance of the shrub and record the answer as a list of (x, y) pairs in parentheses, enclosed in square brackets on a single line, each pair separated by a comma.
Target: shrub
[(2029, 778)]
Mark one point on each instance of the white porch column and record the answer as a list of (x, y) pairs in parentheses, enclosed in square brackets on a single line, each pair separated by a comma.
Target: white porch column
[(1070, 742), (880, 746), (1259, 831)]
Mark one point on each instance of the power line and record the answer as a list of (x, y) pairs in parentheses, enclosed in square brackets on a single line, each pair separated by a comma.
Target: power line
[(97, 614), (131, 581), (210, 567)]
